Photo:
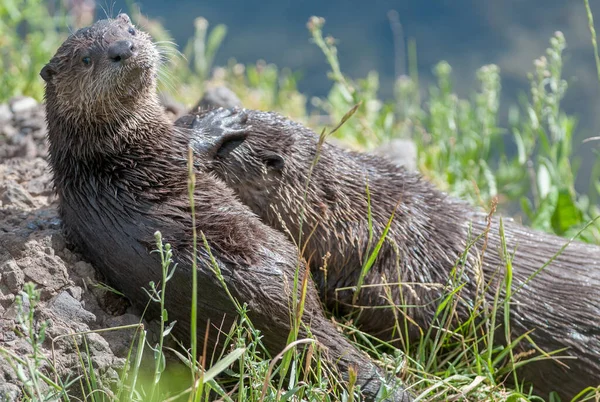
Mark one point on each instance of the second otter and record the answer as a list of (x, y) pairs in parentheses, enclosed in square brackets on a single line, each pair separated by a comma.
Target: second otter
[(424, 254)]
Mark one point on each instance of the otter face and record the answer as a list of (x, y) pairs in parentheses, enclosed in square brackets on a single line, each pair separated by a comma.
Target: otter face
[(102, 69), (256, 170), (229, 145)]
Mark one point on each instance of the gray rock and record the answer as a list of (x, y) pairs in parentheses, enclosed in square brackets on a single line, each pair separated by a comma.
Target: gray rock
[(76, 292), (84, 270), (10, 132), (5, 113), (120, 340), (9, 393), (15, 195), (13, 310), (58, 242), (173, 108), (7, 336), (46, 271), (402, 152), (69, 309), (12, 276), (122, 320), (5, 302), (29, 148), (22, 104), (40, 186), (218, 97), (98, 346)]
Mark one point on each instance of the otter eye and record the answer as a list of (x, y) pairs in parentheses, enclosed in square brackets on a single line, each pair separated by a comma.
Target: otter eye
[(131, 31), (87, 60)]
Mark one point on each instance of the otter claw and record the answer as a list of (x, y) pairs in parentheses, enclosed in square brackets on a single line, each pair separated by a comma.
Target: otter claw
[(236, 117), (196, 122)]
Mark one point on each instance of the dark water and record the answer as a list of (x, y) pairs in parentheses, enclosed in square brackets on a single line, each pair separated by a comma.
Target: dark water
[(466, 33)]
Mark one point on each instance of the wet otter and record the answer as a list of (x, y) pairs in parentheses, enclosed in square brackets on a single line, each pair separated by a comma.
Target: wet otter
[(269, 166), (120, 173)]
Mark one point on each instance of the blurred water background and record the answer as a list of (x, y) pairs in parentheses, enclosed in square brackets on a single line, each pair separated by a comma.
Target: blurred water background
[(466, 33)]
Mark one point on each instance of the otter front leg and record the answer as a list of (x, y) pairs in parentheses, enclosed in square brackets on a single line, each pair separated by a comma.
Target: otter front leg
[(266, 288)]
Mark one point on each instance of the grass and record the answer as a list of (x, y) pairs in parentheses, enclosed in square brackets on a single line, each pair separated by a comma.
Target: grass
[(29, 36), (457, 141)]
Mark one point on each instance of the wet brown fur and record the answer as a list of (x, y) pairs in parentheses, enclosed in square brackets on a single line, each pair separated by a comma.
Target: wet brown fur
[(120, 173), (424, 255)]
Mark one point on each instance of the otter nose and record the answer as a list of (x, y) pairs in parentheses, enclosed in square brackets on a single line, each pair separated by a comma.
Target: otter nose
[(121, 50)]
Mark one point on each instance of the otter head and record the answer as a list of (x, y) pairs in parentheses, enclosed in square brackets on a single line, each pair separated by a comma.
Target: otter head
[(101, 72), (253, 158)]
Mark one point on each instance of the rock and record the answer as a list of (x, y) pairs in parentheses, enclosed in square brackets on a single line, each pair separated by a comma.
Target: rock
[(58, 242), (12, 276), (10, 132), (102, 354), (76, 292), (22, 104), (22, 129), (46, 271), (40, 186), (111, 302), (84, 270), (5, 114), (6, 300), (69, 309), (7, 335), (14, 195), (120, 340), (402, 152), (173, 108), (13, 310), (219, 96), (29, 148), (9, 393)]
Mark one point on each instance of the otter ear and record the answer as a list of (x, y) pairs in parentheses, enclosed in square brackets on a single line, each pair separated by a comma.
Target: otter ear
[(229, 142), (48, 72), (274, 161)]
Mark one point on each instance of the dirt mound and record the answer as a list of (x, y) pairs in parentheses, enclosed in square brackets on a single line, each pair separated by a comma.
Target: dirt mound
[(33, 249)]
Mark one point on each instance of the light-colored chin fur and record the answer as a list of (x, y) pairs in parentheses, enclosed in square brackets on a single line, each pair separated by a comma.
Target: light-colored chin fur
[(121, 98)]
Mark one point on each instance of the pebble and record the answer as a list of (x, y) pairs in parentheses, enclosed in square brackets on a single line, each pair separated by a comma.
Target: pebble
[(12, 276), (22, 104), (5, 113)]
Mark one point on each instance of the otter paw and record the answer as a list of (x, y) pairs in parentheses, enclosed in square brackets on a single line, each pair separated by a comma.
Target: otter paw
[(222, 122), (217, 133)]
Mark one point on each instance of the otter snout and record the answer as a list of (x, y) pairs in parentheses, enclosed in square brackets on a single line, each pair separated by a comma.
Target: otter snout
[(121, 50)]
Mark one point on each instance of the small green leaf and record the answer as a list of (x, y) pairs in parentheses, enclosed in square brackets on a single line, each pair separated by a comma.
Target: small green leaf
[(222, 364), (168, 330), (566, 214)]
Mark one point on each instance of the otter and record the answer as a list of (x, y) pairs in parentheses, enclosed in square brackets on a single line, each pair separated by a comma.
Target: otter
[(120, 172), (434, 243)]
